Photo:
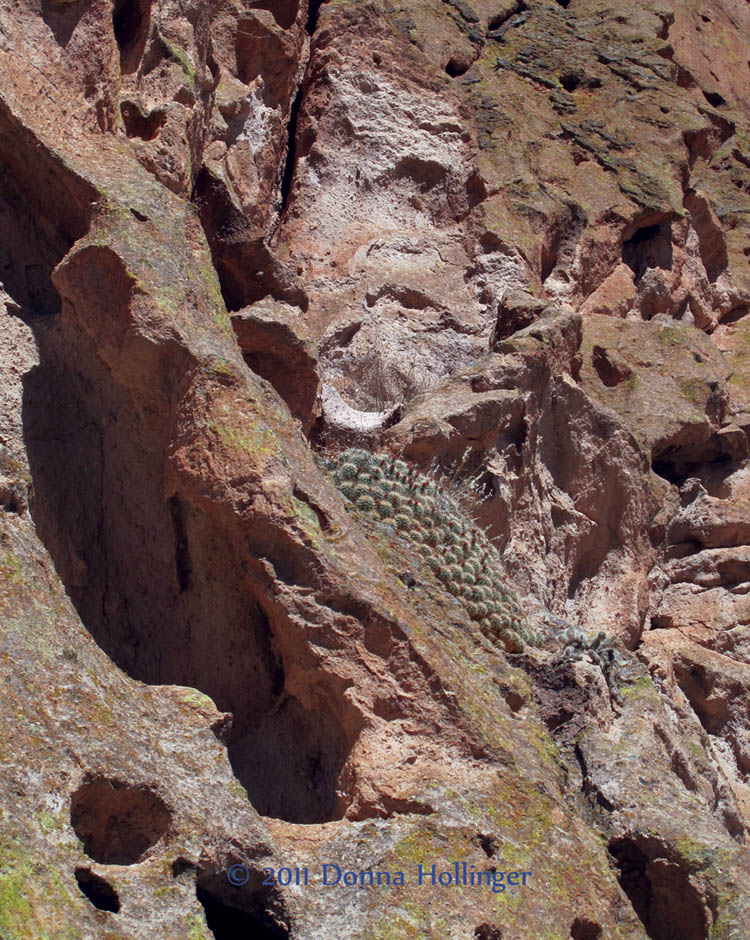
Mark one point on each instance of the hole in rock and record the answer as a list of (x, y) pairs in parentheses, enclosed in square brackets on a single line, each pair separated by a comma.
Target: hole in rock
[(739, 312), (99, 891), (564, 4), (488, 844), (609, 371), (649, 247), (182, 866), (117, 822), (663, 898), (250, 911), (289, 762), (456, 67), (287, 175), (571, 80), (672, 470), (487, 932), (130, 22), (584, 929), (515, 701), (714, 98), (138, 124)]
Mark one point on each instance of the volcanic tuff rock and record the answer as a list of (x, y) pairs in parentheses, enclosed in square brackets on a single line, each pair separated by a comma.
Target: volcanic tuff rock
[(509, 239)]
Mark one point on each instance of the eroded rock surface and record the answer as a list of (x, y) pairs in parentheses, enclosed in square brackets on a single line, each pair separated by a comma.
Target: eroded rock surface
[(508, 240)]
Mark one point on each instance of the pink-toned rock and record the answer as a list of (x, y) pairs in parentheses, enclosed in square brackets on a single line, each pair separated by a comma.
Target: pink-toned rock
[(507, 238), (615, 296)]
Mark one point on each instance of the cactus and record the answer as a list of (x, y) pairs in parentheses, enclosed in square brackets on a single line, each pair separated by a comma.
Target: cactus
[(435, 525)]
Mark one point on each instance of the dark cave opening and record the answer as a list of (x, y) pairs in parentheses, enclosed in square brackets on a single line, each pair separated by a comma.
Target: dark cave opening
[(130, 21), (287, 173), (230, 923), (250, 910), (284, 11), (648, 247), (456, 67), (657, 884), (584, 929)]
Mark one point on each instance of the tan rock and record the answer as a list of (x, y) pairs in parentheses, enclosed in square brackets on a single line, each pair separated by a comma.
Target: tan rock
[(508, 237), (615, 296)]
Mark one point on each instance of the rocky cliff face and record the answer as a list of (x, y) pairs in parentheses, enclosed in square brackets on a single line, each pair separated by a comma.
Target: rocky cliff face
[(508, 237)]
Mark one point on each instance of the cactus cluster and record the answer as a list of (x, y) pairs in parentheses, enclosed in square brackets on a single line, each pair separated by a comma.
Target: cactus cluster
[(414, 506)]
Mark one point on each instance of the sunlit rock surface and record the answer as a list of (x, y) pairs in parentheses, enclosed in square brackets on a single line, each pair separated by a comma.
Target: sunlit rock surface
[(508, 241)]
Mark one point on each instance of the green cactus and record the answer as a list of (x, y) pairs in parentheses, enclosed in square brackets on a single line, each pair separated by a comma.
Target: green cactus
[(347, 471), (460, 556)]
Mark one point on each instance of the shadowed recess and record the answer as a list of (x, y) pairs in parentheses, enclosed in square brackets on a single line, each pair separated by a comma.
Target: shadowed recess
[(584, 929), (98, 890), (284, 11), (43, 209), (116, 822), (251, 910), (649, 247), (163, 588), (487, 932), (63, 18), (666, 902), (130, 22)]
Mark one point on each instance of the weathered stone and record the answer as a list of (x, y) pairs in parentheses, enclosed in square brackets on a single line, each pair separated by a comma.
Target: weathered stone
[(506, 239), (275, 343)]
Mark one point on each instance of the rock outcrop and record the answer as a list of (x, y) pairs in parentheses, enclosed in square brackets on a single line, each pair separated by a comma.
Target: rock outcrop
[(506, 241)]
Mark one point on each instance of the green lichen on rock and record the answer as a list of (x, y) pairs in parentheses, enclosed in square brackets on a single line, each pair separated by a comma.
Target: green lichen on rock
[(390, 494)]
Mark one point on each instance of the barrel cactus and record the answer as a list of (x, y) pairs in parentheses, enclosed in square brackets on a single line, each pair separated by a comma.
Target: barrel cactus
[(465, 563)]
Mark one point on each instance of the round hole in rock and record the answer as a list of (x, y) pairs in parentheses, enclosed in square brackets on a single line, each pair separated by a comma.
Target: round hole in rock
[(457, 66), (100, 892), (117, 822)]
